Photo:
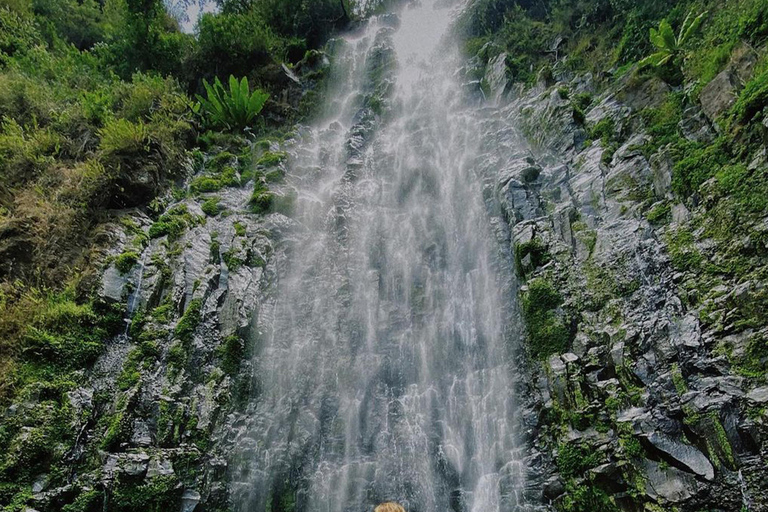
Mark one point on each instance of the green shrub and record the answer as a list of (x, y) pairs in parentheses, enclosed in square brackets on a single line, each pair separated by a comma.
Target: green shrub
[(232, 353), (668, 46), (235, 42), (189, 321), (587, 498), (126, 261), (120, 136), (158, 494), (261, 199), (271, 159), (211, 206), (547, 333), (660, 214), (696, 163), (752, 100), (682, 250), (753, 23), (573, 460), (233, 109), (88, 501)]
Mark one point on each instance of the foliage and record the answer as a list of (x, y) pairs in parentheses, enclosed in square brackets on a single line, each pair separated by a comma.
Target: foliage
[(752, 100), (573, 459), (547, 331), (126, 261), (189, 321), (261, 199), (173, 223), (233, 109), (211, 206), (232, 353), (668, 46)]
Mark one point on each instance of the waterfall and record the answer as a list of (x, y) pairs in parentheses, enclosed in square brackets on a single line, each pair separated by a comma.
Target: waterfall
[(383, 363)]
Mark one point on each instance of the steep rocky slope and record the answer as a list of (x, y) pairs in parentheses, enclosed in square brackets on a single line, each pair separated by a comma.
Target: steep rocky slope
[(645, 367)]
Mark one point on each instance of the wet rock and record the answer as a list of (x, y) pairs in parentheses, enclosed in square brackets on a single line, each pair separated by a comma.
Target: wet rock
[(497, 76), (719, 95), (685, 455), (40, 484), (189, 500), (668, 485), (159, 466), (136, 464), (113, 285), (758, 395)]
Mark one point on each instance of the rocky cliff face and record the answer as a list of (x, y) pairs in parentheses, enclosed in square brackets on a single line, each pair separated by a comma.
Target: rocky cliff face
[(644, 379), (639, 364)]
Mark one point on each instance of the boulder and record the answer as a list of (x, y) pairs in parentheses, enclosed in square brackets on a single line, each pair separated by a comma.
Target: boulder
[(678, 453), (189, 500), (719, 95), (668, 484)]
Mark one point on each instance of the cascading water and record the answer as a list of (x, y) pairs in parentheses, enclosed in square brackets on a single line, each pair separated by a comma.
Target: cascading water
[(383, 366)]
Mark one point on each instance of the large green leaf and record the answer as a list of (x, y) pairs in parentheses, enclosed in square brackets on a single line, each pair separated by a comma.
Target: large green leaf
[(234, 107), (667, 35), (690, 27), (657, 59)]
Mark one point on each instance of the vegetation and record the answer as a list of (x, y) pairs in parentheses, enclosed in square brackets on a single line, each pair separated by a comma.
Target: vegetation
[(97, 116), (232, 109), (547, 331), (669, 48)]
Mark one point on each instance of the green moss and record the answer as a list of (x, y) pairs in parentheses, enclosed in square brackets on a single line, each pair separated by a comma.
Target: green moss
[(130, 375), (587, 498), (695, 163), (118, 426), (603, 131), (232, 259), (239, 228), (752, 100), (684, 254), (227, 177), (678, 380), (547, 333), (211, 206), (159, 494), (271, 159), (536, 250), (88, 501), (573, 460), (261, 200), (659, 214), (125, 262), (189, 321), (174, 223), (232, 352)]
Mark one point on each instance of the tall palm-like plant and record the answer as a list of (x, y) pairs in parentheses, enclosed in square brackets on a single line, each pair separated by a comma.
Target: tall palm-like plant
[(233, 109), (668, 46)]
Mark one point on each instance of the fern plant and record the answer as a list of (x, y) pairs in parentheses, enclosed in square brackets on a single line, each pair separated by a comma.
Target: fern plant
[(668, 46), (232, 109)]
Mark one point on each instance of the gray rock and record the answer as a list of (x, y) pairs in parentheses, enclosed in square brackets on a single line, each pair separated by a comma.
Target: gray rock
[(189, 500), (759, 395), (159, 466), (668, 485), (136, 464), (41, 483), (719, 95), (113, 285), (686, 455)]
